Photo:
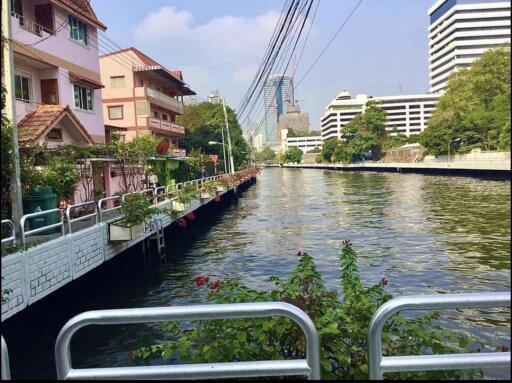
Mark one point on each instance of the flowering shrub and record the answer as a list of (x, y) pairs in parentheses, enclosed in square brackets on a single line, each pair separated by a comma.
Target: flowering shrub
[(342, 326)]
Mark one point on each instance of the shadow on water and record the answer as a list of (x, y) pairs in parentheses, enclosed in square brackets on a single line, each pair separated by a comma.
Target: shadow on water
[(425, 233)]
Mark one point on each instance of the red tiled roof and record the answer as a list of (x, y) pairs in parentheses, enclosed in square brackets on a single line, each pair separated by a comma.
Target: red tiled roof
[(82, 8), (43, 119)]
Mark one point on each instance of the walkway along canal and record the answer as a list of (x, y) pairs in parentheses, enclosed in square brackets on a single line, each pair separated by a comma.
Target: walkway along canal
[(425, 234)]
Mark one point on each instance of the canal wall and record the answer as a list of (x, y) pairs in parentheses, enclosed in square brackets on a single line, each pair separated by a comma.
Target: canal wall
[(472, 164), (33, 274)]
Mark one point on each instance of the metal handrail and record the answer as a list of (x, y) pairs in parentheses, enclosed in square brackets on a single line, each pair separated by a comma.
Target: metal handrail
[(6, 370), (82, 218), (379, 364), (24, 233), (157, 196), (100, 203), (309, 366), (12, 237)]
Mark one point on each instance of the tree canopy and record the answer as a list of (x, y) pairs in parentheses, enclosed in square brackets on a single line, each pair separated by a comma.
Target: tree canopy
[(474, 109), (293, 154), (266, 154), (204, 122)]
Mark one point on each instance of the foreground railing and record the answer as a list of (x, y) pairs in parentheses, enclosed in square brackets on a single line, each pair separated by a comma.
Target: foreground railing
[(70, 208), (102, 211), (309, 366), (24, 234), (379, 364), (12, 237), (6, 370)]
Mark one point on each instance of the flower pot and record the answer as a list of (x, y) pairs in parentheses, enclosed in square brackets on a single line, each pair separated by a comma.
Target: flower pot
[(122, 232), (221, 188), (178, 206), (205, 195)]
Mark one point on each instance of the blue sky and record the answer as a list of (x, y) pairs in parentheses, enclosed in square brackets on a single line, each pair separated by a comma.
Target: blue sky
[(219, 44)]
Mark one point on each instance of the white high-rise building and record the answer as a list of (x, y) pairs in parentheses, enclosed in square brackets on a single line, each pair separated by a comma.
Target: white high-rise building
[(460, 31), (406, 114)]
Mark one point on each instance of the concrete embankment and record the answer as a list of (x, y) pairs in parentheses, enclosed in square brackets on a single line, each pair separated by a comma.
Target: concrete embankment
[(33, 274)]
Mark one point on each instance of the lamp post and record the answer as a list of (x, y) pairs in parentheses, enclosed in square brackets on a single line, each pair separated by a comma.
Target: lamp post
[(224, 152), (229, 136), (449, 145)]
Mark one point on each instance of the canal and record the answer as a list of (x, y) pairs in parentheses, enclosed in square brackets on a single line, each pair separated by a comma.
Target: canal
[(425, 234)]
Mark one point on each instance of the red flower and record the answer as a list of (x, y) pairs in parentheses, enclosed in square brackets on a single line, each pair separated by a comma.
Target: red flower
[(299, 253), (217, 199), (201, 280), (182, 222), (216, 285), (191, 216), (130, 355), (384, 281), (167, 304)]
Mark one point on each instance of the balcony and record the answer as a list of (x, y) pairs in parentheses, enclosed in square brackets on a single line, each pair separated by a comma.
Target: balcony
[(166, 127), (30, 25), (178, 152), (165, 101)]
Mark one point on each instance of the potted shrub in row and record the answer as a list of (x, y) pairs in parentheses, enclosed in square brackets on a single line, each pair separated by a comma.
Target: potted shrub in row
[(208, 189), (136, 208), (184, 196)]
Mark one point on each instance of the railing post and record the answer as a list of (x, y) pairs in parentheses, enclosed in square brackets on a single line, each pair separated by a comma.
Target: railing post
[(6, 369)]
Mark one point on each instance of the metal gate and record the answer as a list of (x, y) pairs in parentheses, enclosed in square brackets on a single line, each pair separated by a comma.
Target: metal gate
[(379, 365), (309, 366)]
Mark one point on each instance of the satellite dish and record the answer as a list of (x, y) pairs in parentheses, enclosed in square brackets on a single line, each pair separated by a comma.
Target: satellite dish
[(163, 146)]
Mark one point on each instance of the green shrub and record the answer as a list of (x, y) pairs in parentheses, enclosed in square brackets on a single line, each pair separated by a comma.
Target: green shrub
[(137, 208), (342, 326), (187, 193)]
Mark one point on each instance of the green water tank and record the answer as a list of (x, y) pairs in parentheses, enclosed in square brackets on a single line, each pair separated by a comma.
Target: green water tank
[(41, 199)]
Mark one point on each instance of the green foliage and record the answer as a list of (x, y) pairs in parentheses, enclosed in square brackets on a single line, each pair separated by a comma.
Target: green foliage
[(137, 208), (204, 123), (266, 154), (328, 149), (187, 193), (292, 155), (475, 107), (209, 187), (342, 326), (62, 176), (395, 142)]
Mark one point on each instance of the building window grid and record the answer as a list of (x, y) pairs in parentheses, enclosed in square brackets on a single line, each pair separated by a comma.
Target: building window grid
[(77, 30), (83, 97)]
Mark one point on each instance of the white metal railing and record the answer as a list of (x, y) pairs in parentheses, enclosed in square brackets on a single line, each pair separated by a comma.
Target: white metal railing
[(82, 218), (24, 234), (309, 366), (12, 237), (30, 25), (379, 364), (101, 211), (159, 193), (6, 370)]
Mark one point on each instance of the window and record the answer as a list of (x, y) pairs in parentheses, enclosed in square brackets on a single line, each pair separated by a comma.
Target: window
[(22, 87), (165, 117), (115, 112), (156, 114), (141, 82), (83, 97), (54, 135), (77, 30), (117, 82)]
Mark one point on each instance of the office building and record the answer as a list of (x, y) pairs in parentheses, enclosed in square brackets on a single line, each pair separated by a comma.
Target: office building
[(460, 31), (278, 95)]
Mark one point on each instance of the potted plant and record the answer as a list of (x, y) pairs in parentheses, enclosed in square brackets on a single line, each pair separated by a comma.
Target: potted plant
[(208, 189), (184, 196), (136, 208)]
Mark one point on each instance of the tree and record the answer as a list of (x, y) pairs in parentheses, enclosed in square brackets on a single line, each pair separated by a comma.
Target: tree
[(475, 107), (293, 154), (328, 149), (266, 154), (204, 122)]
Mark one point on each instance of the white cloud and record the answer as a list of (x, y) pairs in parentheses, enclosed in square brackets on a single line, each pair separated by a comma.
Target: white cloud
[(164, 23)]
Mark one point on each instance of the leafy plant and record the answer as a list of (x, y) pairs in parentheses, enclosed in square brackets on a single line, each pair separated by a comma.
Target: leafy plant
[(342, 326), (62, 177), (187, 193), (209, 187), (137, 208)]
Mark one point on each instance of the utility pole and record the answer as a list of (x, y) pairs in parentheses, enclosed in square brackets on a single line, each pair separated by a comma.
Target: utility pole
[(10, 108), (224, 150), (232, 165)]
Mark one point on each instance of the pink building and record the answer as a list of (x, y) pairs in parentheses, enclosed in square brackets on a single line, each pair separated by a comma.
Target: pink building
[(57, 75), (141, 96)]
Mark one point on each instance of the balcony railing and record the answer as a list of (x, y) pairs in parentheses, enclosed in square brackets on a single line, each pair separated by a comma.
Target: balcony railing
[(167, 126), (31, 25), (165, 100)]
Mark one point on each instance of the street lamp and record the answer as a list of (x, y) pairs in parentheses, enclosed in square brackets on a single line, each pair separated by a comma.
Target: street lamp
[(223, 152), (449, 145)]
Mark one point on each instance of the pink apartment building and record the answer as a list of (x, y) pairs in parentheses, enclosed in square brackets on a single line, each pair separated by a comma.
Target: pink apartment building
[(141, 96), (57, 75)]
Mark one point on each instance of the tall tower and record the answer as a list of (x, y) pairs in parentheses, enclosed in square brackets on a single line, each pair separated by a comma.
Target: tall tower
[(460, 31), (278, 95)]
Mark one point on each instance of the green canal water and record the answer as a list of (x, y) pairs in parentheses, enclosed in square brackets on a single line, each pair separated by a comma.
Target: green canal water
[(425, 234)]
